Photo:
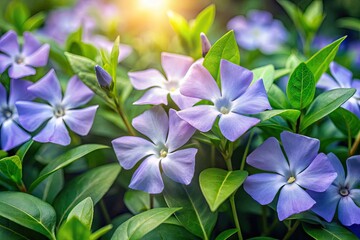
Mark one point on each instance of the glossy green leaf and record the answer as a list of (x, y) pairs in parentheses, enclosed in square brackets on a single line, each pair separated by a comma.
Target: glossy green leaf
[(289, 114), (293, 11), (203, 22), (330, 231), (3, 154), (84, 211), (13, 231), (101, 232), (266, 73), (73, 229), (21, 152), (313, 15), (94, 183), (28, 211), (169, 232), (181, 28), (65, 160), (277, 98), (34, 21), (114, 56), (325, 104), (350, 23), (11, 167), (226, 234), (217, 185), (141, 224), (80, 63), (346, 121), (137, 201)]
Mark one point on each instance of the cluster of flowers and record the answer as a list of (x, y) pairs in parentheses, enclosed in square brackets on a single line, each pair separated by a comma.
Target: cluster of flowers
[(19, 115)]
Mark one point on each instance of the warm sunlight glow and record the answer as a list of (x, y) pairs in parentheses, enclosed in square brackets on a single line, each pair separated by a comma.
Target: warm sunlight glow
[(152, 5)]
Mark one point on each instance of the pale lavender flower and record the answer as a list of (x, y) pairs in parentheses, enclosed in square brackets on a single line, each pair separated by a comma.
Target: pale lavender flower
[(236, 98), (342, 78), (175, 67), (303, 167), (12, 134), (258, 31), (167, 135), (22, 61), (59, 111), (342, 193)]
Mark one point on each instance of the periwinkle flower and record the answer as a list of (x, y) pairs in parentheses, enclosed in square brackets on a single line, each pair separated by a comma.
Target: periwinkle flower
[(22, 61), (236, 98), (167, 135), (103, 77), (175, 67), (302, 167), (258, 31), (342, 78), (342, 193), (59, 111), (12, 135)]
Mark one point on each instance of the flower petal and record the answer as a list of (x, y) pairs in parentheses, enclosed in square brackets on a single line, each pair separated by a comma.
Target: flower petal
[(145, 79), (327, 82), (179, 131), (234, 79), (180, 165), (199, 83), (33, 114), (201, 117), (300, 150), (5, 62), (353, 171), (9, 43), (80, 120), (12, 135), (147, 177), (355, 196), (77, 93), (293, 199), (124, 51), (233, 125), (342, 75), (3, 96), (154, 96), (269, 157), (349, 212), (31, 44), (339, 169), (326, 202), (153, 123), (182, 101), (18, 91), (130, 150), (20, 71), (263, 187), (39, 58), (175, 66), (55, 132)]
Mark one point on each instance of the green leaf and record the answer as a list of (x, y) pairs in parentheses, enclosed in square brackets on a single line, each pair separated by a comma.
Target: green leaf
[(13, 231), (65, 160), (80, 63), (181, 28), (195, 214), (139, 225), (84, 186), (28, 211), (346, 121), (225, 48), (226, 234), (17, 13), (11, 167), (330, 231), (277, 98), (100, 232), (289, 114), (73, 229), (114, 56), (34, 21), (325, 104), (320, 61), (3, 154), (313, 15), (301, 87), (217, 185), (21, 152), (137, 201), (202, 23), (169, 232), (266, 73), (84, 211), (294, 12), (349, 23)]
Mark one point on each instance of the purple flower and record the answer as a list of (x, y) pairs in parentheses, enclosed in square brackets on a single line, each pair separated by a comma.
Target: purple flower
[(22, 61), (354, 51), (167, 135), (175, 67), (258, 31), (12, 134), (341, 194), (103, 77), (59, 110), (342, 78), (235, 99), (303, 167)]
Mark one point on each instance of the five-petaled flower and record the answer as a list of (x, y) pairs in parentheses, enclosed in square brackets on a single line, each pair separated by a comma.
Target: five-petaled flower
[(341, 194), (167, 135), (303, 167), (236, 98), (22, 61), (59, 110)]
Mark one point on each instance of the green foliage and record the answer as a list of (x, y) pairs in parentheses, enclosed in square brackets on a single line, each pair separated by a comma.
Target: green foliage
[(226, 234), (349, 23), (84, 211), (137, 201), (11, 167), (266, 73), (330, 231), (73, 229), (346, 121), (289, 114)]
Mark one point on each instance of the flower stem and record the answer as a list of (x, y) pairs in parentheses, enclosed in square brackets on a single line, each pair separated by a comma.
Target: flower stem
[(22, 187), (120, 111), (246, 151), (105, 212), (291, 230), (151, 201), (355, 145), (264, 218), (236, 219)]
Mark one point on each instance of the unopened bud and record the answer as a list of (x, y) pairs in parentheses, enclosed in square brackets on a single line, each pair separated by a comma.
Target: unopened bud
[(205, 44), (103, 77)]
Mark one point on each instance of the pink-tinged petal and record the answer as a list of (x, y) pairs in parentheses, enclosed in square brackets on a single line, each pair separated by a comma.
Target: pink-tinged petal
[(175, 66), (124, 51), (130, 150), (55, 132), (154, 124), (300, 150), (147, 177), (39, 58), (48, 88), (31, 44), (342, 75), (20, 71), (233, 125), (9, 43), (5, 62), (199, 83), (254, 100), (179, 131), (146, 79), (77, 93), (327, 82), (292, 200), (234, 79), (269, 157), (353, 171), (326, 202), (263, 187), (180, 165), (3, 96), (201, 117), (12, 135), (349, 212), (182, 101), (80, 120), (154, 96), (18, 91), (33, 114), (339, 169)]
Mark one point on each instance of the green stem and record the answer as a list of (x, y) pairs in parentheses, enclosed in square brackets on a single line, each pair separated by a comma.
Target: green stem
[(22, 187), (212, 156), (264, 218), (291, 230), (105, 212), (355, 145), (151, 201), (120, 111), (242, 166), (271, 228), (236, 219)]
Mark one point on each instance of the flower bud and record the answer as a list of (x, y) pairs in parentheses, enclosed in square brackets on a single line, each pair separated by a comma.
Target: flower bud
[(205, 44), (103, 77)]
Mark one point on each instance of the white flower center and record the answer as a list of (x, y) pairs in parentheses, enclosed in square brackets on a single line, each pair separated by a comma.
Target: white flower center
[(163, 153), (19, 59), (223, 105), (172, 85), (59, 111)]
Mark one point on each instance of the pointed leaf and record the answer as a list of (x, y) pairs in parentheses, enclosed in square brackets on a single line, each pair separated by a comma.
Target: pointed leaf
[(11, 167), (73, 229), (346, 121), (330, 231), (84, 211), (266, 73)]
